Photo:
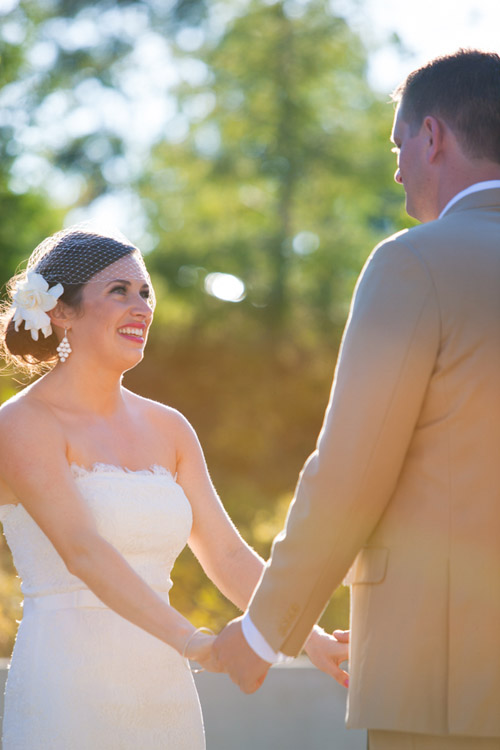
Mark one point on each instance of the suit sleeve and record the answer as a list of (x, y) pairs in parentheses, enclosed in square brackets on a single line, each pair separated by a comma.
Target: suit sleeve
[(386, 359)]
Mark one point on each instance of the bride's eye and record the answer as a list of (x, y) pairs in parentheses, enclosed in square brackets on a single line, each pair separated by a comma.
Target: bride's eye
[(119, 288)]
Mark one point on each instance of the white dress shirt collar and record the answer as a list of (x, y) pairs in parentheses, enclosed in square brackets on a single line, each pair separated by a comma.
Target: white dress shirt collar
[(486, 185)]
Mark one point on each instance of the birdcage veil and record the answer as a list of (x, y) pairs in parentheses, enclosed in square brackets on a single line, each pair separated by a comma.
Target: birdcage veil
[(84, 253)]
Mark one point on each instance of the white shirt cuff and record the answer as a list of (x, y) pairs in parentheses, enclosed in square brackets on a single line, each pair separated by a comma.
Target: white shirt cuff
[(258, 643)]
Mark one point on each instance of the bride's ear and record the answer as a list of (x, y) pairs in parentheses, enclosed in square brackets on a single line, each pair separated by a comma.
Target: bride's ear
[(61, 315)]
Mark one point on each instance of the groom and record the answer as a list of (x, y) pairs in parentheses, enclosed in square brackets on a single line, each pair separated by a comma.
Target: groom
[(403, 489)]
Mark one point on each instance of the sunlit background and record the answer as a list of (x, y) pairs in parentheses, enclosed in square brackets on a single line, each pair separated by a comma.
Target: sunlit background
[(243, 145)]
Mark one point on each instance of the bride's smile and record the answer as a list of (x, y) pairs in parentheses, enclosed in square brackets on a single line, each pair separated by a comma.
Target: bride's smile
[(133, 332)]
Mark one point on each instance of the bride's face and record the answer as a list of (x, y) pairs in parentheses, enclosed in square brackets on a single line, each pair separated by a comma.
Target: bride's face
[(115, 315)]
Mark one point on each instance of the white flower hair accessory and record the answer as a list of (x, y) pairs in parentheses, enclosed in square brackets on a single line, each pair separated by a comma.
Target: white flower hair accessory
[(31, 301)]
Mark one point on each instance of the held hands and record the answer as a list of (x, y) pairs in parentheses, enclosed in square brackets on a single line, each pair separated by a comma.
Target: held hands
[(229, 652), (235, 657), (327, 652), (199, 648)]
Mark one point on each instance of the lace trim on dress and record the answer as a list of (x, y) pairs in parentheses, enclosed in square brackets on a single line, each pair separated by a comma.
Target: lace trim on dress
[(100, 468), (103, 468)]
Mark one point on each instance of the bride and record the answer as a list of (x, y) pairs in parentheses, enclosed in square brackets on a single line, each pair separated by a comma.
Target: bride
[(100, 489)]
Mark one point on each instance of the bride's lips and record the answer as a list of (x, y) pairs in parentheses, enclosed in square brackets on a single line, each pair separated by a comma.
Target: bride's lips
[(133, 332)]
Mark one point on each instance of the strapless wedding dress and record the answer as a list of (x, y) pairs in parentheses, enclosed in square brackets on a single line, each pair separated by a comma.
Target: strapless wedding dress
[(82, 677)]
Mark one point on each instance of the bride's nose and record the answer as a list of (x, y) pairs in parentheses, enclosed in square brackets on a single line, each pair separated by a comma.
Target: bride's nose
[(141, 308)]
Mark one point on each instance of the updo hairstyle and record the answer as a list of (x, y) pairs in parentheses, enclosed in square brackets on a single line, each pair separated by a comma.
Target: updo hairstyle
[(71, 257)]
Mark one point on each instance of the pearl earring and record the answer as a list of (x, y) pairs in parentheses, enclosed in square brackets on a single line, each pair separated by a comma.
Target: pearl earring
[(64, 348)]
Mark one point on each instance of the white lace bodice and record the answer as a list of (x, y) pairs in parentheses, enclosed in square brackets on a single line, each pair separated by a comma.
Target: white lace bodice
[(143, 514)]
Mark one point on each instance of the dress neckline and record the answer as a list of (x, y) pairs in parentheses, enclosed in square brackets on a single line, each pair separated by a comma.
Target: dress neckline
[(99, 467)]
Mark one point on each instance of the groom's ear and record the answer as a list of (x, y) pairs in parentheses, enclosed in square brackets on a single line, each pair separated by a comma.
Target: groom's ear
[(434, 130), (61, 315)]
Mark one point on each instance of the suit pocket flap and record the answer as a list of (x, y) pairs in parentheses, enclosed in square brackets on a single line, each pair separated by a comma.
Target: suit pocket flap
[(369, 566)]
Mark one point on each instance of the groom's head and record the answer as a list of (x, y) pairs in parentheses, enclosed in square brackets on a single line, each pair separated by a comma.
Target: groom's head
[(447, 129), (463, 90)]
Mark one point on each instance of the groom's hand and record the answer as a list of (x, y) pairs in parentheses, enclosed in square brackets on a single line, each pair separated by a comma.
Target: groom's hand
[(241, 663)]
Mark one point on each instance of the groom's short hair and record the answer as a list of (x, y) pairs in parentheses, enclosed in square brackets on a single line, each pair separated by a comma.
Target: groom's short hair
[(463, 89)]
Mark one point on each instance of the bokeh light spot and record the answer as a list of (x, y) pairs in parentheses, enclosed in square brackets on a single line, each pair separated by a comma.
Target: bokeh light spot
[(225, 286)]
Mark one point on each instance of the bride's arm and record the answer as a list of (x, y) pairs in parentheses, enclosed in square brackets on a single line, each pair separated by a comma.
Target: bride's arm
[(33, 465), (227, 559)]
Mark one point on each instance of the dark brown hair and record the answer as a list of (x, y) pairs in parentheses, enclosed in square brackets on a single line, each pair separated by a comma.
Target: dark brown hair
[(463, 89)]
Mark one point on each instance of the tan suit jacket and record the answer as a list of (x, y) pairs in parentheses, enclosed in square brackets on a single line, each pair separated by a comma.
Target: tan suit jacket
[(404, 486)]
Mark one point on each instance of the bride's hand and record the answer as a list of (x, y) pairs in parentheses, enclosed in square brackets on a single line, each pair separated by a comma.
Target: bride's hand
[(327, 652), (200, 650)]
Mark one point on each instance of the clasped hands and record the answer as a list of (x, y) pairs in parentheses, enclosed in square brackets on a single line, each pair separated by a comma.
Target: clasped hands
[(229, 652)]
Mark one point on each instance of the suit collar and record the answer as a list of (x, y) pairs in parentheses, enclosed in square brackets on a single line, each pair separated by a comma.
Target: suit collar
[(482, 194)]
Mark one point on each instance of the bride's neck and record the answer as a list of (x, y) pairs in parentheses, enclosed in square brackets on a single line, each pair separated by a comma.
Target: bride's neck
[(97, 392)]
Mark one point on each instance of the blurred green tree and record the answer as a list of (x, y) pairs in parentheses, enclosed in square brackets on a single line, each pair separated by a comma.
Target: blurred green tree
[(68, 93), (282, 177)]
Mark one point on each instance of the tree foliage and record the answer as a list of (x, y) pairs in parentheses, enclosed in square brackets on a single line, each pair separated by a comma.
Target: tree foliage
[(283, 176)]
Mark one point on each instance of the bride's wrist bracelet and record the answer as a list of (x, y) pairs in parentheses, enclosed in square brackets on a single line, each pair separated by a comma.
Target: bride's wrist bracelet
[(202, 629)]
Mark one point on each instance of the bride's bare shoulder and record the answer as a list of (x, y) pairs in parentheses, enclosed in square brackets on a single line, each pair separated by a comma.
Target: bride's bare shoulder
[(164, 417), (32, 442), (25, 414)]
